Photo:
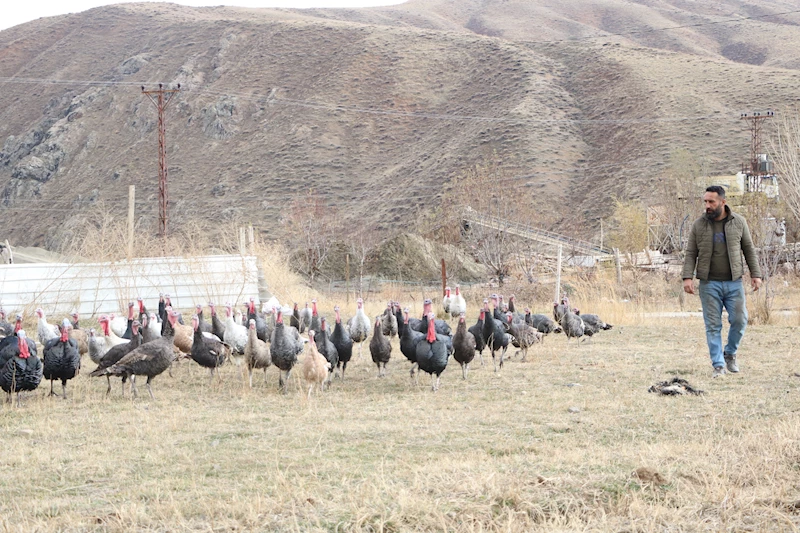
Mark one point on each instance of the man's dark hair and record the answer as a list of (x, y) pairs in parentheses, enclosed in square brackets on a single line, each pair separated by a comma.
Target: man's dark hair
[(717, 189)]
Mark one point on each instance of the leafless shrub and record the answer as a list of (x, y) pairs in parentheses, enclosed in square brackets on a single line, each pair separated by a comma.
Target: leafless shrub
[(310, 228)]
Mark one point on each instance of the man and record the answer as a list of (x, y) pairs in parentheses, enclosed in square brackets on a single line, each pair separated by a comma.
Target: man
[(716, 244)]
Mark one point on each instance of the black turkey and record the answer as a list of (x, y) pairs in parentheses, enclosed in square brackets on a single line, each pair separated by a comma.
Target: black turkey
[(61, 358), (463, 345), (432, 354), (285, 346), (23, 370)]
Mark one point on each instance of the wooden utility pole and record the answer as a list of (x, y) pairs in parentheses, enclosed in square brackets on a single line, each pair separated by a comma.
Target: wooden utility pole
[(347, 277), (161, 99), (558, 274), (131, 203), (444, 278), (601, 234), (618, 262)]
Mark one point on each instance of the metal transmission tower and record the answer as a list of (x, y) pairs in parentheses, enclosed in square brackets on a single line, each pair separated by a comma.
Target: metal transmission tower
[(756, 124), (161, 99)]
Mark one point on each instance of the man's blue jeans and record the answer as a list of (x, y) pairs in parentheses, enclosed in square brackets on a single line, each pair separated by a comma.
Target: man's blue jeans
[(714, 295)]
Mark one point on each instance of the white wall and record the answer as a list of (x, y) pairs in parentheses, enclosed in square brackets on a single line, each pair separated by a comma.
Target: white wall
[(94, 288)]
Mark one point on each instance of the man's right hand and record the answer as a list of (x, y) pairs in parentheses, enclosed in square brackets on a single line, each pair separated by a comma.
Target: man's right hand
[(688, 286)]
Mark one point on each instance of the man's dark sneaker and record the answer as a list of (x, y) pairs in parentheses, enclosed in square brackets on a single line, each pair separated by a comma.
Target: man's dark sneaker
[(730, 362), (718, 371)]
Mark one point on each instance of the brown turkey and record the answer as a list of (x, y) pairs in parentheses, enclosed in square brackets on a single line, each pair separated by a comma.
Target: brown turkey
[(115, 354), (149, 359)]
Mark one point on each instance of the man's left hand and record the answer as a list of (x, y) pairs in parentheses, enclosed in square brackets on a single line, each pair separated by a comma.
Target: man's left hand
[(756, 282)]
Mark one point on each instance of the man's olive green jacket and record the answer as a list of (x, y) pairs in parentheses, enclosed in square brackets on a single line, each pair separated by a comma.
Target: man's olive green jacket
[(701, 244)]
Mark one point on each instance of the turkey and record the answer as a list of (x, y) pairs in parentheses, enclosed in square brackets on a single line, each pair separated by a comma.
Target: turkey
[(464, 344), (457, 304), (168, 305), (512, 308), (398, 314), (442, 327), (294, 321), (344, 344), (380, 348), (97, 346), (80, 336), (524, 336), (217, 327), (149, 359), (560, 309), (543, 323), (446, 300), (316, 367), (408, 342), (9, 345), (326, 347), (128, 324), (315, 323), (203, 326), (261, 324), (494, 335), (151, 328), (285, 345), (305, 318), (142, 310), (115, 353), (594, 322), (497, 312), (256, 353), (206, 352), (235, 334), (6, 328), (477, 332), (572, 325), (358, 326), (45, 331), (110, 337), (23, 370), (389, 322), (61, 359), (432, 354)]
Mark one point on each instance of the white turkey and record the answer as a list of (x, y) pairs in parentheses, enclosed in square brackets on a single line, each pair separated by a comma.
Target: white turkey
[(458, 304), (359, 326), (446, 300), (235, 333), (45, 331)]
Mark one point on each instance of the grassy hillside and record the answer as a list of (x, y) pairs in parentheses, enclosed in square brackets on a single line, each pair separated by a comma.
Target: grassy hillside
[(377, 109)]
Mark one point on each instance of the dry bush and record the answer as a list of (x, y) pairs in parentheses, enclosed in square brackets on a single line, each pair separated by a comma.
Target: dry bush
[(628, 230), (310, 229), (104, 237)]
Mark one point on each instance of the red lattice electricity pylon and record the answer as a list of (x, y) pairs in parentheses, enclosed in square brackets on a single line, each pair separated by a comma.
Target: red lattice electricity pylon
[(161, 99)]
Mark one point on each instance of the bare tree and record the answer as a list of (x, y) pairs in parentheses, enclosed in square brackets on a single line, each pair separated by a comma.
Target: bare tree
[(490, 212), (310, 232), (360, 245), (786, 149)]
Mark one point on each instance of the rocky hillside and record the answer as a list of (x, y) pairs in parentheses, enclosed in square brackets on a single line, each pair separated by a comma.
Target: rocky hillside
[(376, 109)]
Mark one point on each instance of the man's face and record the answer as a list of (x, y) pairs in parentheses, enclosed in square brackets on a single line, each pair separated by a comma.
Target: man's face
[(714, 205)]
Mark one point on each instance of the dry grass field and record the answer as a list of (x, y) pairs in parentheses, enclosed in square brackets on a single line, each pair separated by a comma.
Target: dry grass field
[(550, 444)]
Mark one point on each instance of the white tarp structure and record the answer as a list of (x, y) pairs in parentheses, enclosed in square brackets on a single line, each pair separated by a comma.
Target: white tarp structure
[(93, 288)]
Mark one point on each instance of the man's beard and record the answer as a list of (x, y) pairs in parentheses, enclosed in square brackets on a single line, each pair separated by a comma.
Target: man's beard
[(713, 214)]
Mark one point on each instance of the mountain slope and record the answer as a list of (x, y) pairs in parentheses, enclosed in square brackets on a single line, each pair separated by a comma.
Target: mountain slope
[(377, 109)]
